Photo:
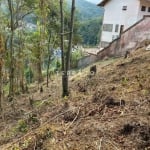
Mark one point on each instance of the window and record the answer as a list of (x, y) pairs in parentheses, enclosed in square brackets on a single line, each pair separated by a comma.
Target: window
[(148, 9), (108, 27), (124, 8), (117, 28), (143, 8)]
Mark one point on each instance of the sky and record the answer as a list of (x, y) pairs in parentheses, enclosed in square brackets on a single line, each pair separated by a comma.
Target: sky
[(94, 1)]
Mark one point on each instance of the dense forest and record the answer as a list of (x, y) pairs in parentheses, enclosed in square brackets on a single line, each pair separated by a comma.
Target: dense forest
[(30, 42), (87, 10), (30, 31)]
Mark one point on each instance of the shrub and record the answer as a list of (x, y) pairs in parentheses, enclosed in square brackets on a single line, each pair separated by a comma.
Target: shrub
[(22, 126)]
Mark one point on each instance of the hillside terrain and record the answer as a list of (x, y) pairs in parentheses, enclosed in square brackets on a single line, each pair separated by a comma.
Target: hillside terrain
[(107, 111)]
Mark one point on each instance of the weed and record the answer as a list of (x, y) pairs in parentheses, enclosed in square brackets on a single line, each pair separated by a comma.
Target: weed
[(22, 126), (124, 81)]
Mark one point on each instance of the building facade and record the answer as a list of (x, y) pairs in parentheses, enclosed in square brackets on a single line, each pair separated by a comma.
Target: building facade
[(120, 15)]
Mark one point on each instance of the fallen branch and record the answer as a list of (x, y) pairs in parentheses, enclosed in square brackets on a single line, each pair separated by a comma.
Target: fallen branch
[(116, 148), (115, 117), (100, 145)]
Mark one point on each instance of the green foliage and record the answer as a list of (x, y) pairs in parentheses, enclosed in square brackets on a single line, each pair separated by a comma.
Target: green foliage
[(87, 10), (75, 57), (124, 81), (90, 18), (90, 31), (53, 23), (58, 65), (30, 3), (32, 44), (55, 65), (22, 126), (6, 88), (29, 75)]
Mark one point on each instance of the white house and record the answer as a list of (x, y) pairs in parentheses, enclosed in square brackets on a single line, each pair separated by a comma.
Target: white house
[(120, 15)]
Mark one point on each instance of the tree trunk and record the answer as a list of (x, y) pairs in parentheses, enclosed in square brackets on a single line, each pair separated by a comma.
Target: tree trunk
[(62, 47), (39, 70), (49, 57), (0, 87), (1, 69), (11, 73), (21, 62), (66, 61), (69, 46), (1, 63), (37, 65), (22, 81), (42, 34), (70, 37), (50, 51)]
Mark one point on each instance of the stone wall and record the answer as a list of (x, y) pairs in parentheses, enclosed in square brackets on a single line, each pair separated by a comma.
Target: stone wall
[(129, 39)]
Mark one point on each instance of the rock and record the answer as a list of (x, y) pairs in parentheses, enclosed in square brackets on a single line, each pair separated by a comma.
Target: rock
[(148, 48), (93, 70)]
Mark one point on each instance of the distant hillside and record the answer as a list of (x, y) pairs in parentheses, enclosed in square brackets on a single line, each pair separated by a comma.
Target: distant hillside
[(90, 18), (87, 10), (90, 31)]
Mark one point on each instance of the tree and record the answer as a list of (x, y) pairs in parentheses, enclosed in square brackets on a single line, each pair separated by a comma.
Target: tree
[(17, 11), (1, 68), (66, 56), (12, 67), (90, 31), (2, 53), (51, 44), (52, 27)]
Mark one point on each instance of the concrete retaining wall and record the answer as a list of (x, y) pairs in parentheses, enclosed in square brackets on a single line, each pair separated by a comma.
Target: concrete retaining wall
[(129, 39), (87, 60)]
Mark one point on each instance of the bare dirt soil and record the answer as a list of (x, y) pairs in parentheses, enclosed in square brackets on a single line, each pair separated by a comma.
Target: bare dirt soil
[(108, 111)]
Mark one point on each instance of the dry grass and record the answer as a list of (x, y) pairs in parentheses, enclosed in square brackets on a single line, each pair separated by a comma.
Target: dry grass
[(94, 119)]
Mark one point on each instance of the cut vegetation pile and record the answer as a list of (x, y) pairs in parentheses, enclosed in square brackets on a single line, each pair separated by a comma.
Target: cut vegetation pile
[(108, 111)]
